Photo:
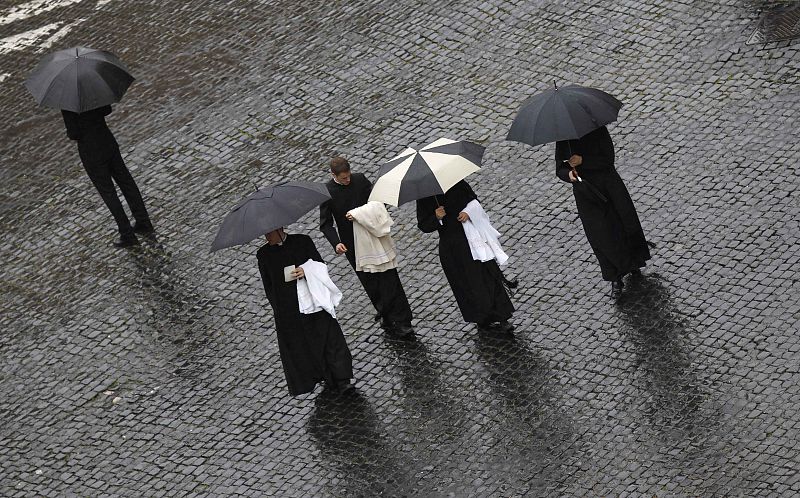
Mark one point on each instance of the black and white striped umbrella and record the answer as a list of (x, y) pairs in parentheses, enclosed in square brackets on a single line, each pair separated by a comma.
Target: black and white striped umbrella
[(431, 170)]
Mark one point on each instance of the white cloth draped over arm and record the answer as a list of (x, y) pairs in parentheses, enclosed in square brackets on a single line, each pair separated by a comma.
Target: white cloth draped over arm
[(375, 249), (481, 235), (317, 292)]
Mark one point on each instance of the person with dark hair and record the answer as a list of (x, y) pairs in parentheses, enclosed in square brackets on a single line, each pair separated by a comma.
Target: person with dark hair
[(311, 343), (101, 158), (604, 205), (348, 191), (479, 287)]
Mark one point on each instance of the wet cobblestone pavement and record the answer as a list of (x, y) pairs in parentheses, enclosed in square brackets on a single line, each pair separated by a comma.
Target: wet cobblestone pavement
[(155, 372)]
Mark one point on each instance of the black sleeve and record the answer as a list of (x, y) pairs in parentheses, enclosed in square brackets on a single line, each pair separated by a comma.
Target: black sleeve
[(461, 194), (312, 252), (262, 268), (71, 123), (600, 155), (105, 110), (426, 216), (562, 168), (326, 224), (367, 188), (471, 195)]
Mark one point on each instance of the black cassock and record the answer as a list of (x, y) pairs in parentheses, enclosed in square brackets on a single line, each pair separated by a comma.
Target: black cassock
[(384, 289), (312, 346), (101, 158), (477, 287), (612, 226)]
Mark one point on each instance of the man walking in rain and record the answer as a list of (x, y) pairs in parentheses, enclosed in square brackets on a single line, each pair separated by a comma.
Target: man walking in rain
[(604, 205), (480, 288), (101, 158), (348, 191), (310, 340)]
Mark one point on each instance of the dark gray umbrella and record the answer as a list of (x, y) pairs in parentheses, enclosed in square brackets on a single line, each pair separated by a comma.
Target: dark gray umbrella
[(79, 79), (267, 209), (565, 113)]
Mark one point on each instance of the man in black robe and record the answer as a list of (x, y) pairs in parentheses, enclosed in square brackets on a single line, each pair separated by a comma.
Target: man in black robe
[(348, 191), (101, 158), (479, 287), (312, 346), (604, 205)]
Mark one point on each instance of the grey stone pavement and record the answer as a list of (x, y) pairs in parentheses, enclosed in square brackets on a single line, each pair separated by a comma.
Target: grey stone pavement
[(155, 372)]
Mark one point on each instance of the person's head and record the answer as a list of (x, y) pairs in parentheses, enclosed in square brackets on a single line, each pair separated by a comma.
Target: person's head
[(276, 236), (340, 169)]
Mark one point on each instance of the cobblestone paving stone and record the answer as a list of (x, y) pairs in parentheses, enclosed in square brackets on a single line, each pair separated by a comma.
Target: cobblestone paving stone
[(155, 372)]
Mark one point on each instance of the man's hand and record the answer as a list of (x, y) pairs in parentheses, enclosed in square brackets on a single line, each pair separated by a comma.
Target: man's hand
[(298, 273), (341, 248), (349, 216), (462, 217), (440, 212), (572, 176), (575, 160)]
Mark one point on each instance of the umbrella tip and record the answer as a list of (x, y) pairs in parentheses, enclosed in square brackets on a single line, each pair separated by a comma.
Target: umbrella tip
[(255, 185), (554, 85)]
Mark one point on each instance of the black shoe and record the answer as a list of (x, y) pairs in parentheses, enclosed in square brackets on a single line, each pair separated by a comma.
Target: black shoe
[(402, 331), (344, 387), (386, 324), (504, 326), (636, 272), (616, 288), (377, 316), (126, 241), (143, 227), (486, 328)]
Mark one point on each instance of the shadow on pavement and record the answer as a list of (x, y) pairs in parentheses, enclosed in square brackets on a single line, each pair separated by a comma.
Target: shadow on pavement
[(661, 342), (172, 307), (541, 433), (420, 378), (347, 432)]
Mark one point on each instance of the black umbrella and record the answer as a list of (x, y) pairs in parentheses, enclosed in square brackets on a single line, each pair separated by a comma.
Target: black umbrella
[(267, 209), (565, 113), (79, 79)]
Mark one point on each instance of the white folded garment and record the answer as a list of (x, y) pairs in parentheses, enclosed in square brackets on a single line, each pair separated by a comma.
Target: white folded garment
[(481, 235), (375, 249), (317, 292)]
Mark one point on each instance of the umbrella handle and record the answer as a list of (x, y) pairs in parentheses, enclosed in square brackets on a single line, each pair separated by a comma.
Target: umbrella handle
[(438, 205)]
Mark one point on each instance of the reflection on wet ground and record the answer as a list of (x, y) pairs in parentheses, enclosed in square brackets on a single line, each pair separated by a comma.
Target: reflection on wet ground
[(350, 436), (174, 308), (541, 432), (662, 341)]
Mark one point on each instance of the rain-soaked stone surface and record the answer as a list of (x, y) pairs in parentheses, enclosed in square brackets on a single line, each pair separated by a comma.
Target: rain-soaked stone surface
[(155, 372)]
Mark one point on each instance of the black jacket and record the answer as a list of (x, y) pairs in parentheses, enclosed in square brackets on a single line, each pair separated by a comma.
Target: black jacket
[(96, 143), (343, 199)]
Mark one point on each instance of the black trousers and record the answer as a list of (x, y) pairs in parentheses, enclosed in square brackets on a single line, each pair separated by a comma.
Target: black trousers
[(103, 175), (387, 295)]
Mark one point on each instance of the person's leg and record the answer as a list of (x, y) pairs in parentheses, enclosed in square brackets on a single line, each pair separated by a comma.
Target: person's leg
[(634, 238), (338, 360), (371, 284), (129, 189), (501, 308), (100, 175), (393, 299)]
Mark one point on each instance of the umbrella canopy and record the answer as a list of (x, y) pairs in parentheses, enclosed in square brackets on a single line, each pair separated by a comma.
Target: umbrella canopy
[(267, 209), (563, 113), (79, 79), (431, 170)]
